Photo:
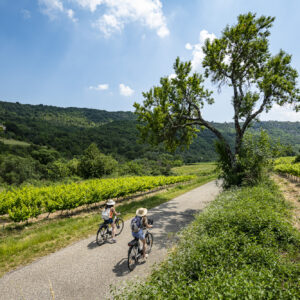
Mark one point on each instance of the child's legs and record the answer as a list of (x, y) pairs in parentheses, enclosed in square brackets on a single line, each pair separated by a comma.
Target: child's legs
[(144, 246)]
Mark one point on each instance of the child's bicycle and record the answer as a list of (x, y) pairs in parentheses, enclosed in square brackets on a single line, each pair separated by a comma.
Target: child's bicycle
[(135, 251), (105, 230)]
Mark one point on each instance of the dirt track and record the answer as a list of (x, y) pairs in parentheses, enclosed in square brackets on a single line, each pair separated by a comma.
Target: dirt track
[(85, 271)]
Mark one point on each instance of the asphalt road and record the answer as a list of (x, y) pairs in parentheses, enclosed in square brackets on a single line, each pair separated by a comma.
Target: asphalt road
[(85, 270)]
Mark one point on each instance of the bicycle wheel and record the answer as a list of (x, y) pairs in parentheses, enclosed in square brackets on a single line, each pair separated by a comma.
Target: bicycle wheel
[(119, 226), (133, 254), (149, 241), (101, 235)]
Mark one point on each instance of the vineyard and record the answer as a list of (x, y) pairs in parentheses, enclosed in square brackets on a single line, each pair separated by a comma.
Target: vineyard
[(29, 202), (287, 165)]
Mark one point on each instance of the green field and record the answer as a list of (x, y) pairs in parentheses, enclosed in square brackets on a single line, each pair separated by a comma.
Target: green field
[(29, 201), (22, 244), (14, 142), (195, 169)]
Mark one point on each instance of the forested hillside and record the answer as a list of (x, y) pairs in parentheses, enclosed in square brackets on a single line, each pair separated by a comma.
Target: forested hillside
[(71, 130)]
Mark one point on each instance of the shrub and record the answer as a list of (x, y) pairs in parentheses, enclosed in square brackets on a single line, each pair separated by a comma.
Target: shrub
[(297, 159), (16, 170), (251, 164), (95, 164)]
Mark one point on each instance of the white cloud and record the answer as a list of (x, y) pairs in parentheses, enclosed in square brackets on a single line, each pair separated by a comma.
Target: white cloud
[(197, 53), (100, 87), (188, 46), (281, 113), (108, 24), (125, 90), (90, 4), (70, 14), (114, 15), (26, 14), (121, 12), (52, 8)]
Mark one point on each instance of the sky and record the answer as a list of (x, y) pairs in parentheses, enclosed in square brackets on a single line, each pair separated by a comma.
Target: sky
[(104, 53)]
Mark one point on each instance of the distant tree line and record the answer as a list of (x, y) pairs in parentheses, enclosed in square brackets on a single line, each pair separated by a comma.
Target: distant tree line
[(33, 164), (71, 130)]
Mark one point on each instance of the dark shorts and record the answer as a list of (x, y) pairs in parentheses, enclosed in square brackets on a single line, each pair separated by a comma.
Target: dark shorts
[(139, 235), (109, 221)]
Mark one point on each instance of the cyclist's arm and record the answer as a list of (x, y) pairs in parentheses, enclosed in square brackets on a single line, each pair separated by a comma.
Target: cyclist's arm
[(114, 211), (145, 223)]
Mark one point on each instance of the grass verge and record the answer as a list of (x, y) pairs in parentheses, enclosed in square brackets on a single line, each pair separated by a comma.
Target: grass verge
[(242, 246), (20, 245)]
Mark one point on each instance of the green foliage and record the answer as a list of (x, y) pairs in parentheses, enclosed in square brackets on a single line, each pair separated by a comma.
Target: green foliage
[(117, 137), (253, 162), (240, 58), (297, 159), (287, 165), (58, 170), (94, 164), (15, 169), (242, 247), (160, 165), (26, 202), (44, 155), (166, 109)]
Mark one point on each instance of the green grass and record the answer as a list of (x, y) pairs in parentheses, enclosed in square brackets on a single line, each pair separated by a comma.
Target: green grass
[(22, 244), (198, 169), (14, 142), (242, 247)]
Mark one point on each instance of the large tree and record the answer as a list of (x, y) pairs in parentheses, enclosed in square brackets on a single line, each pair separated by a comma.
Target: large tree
[(241, 59)]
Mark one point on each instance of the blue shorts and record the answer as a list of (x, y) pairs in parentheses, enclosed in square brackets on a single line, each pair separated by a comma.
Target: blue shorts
[(109, 221), (139, 235)]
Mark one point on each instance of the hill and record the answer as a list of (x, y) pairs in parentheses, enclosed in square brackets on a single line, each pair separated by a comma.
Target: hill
[(71, 130)]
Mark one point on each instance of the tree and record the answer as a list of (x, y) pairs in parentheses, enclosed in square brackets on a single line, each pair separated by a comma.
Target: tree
[(95, 164), (241, 59)]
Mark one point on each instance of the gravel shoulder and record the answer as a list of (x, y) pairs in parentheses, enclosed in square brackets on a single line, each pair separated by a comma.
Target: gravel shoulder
[(85, 271)]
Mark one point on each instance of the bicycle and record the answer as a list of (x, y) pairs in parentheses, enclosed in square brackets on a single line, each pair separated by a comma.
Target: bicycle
[(135, 251), (105, 231)]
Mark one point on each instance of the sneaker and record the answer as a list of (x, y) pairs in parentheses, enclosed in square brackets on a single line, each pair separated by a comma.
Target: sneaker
[(146, 256), (113, 240)]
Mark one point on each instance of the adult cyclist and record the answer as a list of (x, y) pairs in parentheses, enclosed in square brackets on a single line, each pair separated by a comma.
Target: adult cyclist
[(139, 222)]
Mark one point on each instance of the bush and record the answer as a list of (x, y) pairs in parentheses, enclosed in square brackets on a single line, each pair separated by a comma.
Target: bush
[(253, 162), (58, 170), (16, 170), (94, 164), (297, 159), (44, 155)]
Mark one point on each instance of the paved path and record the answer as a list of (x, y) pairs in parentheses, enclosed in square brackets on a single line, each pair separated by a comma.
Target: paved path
[(85, 270)]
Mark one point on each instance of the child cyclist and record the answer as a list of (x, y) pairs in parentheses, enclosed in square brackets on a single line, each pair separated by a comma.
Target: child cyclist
[(139, 222), (108, 216)]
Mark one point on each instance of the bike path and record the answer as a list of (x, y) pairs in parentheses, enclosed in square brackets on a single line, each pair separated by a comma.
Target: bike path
[(85, 270)]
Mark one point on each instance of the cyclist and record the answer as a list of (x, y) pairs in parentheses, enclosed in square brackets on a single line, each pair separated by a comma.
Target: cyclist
[(139, 222), (108, 216)]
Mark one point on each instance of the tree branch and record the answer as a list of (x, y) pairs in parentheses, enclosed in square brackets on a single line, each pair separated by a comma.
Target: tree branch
[(254, 115)]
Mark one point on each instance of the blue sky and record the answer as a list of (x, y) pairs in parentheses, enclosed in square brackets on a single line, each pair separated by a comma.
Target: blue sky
[(104, 53)]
